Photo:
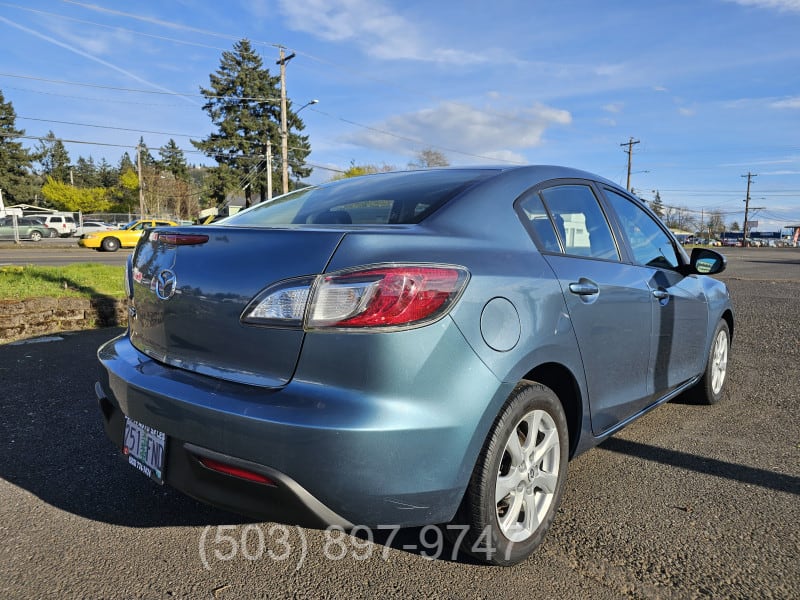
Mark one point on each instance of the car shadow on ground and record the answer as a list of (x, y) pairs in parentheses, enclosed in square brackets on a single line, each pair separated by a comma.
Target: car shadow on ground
[(709, 466)]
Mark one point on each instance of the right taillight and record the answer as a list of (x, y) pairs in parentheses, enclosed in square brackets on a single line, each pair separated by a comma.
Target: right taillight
[(384, 297), (376, 298)]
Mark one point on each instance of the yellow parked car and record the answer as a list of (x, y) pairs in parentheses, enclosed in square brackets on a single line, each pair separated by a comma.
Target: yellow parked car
[(110, 241)]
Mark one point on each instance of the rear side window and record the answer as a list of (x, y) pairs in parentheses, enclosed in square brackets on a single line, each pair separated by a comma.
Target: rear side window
[(384, 199), (650, 244), (579, 221), (539, 221)]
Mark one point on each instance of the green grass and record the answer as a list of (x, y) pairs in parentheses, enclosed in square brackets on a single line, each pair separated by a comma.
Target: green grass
[(85, 280)]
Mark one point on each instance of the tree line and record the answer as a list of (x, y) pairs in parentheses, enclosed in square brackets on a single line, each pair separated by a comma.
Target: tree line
[(676, 217)]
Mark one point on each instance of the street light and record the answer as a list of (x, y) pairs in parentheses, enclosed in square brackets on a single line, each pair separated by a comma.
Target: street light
[(309, 103), (285, 135)]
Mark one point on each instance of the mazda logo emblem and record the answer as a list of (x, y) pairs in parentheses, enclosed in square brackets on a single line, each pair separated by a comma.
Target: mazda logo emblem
[(166, 282)]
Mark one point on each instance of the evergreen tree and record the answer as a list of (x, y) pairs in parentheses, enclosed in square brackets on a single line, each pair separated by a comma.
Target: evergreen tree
[(16, 179), (107, 175), (85, 173), (146, 158), (53, 158), (174, 161), (657, 206), (125, 164), (243, 102)]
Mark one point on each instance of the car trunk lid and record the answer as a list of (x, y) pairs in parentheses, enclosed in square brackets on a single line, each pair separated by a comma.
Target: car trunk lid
[(191, 284)]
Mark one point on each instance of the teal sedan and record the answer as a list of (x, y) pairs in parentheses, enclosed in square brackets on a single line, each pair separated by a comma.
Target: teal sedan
[(406, 349)]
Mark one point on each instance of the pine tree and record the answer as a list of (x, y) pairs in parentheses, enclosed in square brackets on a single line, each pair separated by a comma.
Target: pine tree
[(53, 158), (125, 163), (243, 101), (657, 206), (174, 161), (85, 173), (16, 179)]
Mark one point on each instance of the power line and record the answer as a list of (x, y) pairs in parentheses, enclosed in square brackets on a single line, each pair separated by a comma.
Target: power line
[(137, 90), (107, 127)]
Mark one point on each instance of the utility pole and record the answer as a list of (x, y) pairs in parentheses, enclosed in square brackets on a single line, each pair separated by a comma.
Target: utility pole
[(629, 152), (747, 208), (284, 131), (269, 170), (141, 186)]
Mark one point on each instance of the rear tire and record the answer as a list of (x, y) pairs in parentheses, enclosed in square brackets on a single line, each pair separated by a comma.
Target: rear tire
[(711, 388), (516, 485), (110, 244)]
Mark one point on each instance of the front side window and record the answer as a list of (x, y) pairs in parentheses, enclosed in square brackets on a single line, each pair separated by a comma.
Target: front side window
[(651, 245), (580, 222)]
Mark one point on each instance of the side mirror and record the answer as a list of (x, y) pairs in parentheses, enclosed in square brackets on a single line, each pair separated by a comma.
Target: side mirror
[(707, 262)]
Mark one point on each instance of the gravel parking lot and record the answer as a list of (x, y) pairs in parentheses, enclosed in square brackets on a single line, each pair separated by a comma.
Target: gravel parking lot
[(689, 501)]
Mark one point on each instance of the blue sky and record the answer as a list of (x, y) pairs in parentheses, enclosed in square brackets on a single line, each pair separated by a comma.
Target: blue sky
[(710, 88)]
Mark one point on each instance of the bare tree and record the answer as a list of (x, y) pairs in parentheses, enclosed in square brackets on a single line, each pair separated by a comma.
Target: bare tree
[(429, 157)]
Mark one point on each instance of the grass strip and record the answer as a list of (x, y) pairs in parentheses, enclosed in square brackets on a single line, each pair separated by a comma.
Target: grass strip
[(80, 280)]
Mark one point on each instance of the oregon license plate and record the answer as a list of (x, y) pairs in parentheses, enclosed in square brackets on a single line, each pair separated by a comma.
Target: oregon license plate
[(145, 448)]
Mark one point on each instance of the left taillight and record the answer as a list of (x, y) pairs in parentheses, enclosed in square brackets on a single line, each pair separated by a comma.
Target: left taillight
[(376, 298)]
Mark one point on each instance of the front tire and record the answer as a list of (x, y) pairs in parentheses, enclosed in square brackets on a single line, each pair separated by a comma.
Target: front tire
[(516, 485), (110, 244), (36, 236), (711, 388)]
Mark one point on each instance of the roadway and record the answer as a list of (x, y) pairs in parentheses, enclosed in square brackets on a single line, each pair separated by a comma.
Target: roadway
[(56, 252)]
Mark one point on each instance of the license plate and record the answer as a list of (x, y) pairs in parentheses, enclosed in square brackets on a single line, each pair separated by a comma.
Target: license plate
[(145, 448)]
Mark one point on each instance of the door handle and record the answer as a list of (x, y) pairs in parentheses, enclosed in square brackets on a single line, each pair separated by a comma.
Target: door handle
[(661, 294), (584, 288)]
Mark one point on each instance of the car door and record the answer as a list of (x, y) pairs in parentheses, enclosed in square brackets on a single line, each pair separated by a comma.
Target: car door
[(680, 310), (609, 302)]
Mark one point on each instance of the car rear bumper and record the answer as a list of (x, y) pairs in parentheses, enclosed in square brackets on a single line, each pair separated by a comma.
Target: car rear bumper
[(337, 455)]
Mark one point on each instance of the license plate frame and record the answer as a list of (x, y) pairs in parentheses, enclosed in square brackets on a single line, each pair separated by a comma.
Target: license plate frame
[(145, 448)]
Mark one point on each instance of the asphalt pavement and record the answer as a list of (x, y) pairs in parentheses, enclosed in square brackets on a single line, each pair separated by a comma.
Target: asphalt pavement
[(688, 502)]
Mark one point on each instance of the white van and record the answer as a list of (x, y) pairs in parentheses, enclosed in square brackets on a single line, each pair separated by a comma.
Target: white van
[(64, 224)]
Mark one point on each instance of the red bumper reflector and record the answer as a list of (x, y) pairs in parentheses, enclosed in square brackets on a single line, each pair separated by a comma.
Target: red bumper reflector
[(219, 467)]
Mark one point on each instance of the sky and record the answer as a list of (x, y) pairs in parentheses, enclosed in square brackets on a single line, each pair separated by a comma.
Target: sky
[(710, 89)]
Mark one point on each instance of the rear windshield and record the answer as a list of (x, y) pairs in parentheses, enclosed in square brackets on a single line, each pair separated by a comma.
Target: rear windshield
[(384, 199)]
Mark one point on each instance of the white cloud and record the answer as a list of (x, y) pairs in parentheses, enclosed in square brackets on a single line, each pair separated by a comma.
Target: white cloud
[(374, 26), (614, 107), (781, 5), (787, 103), (686, 112), (463, 132)]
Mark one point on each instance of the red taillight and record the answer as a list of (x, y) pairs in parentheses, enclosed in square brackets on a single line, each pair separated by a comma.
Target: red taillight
[(383, 297), (227, 469), (179, 239)]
